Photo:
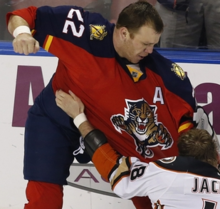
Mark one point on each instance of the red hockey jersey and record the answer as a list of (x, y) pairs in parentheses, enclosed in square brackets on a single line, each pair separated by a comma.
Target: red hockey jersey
[(141, 109)]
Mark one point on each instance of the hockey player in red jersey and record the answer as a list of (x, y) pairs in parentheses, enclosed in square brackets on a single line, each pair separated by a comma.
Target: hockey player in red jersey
[(139, 99)]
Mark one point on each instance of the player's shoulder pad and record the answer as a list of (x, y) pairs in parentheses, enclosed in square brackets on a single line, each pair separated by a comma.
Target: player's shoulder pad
[(187, 164)]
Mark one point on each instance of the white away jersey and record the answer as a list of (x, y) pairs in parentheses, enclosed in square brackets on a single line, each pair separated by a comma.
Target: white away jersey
[(175, 182)]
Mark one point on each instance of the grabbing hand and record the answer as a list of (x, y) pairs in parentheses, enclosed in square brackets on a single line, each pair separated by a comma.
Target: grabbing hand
[(201, 120), (24, 43), (69, 103)]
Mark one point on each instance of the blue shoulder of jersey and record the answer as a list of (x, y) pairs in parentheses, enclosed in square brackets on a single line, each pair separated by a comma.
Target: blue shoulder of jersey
[(174, 77), (89, 31)]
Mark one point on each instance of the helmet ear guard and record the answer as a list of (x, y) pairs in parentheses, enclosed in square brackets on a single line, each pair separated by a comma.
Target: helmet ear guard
[(93, 140)]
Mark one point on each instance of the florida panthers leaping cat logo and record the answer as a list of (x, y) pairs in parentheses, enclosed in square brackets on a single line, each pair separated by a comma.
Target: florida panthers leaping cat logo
[(140, 121)]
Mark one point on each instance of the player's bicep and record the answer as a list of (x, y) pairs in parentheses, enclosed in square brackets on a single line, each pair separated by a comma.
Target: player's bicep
[(63, 23), (74, 23)]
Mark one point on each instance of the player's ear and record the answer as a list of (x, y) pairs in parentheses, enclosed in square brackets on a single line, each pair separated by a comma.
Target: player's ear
[(123, 31)]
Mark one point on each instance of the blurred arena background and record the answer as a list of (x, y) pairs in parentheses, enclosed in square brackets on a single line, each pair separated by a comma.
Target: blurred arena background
[(22, 78)]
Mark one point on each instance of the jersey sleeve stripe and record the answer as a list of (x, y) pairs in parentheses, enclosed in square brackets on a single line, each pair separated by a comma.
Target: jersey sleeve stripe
[(185, 126), (122, 171), (48, 42), (105, 160)]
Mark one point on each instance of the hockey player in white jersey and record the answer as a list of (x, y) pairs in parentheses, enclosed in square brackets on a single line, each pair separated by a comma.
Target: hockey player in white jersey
[(190, 180)]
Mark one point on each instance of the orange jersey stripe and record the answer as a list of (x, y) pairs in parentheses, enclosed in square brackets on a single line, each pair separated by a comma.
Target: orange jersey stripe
[(105, 159)]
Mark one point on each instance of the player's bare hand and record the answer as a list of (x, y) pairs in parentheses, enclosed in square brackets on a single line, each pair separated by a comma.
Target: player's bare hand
[(25, 44), (69, 103)]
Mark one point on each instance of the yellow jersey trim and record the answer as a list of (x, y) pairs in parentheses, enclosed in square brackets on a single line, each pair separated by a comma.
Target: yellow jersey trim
[(48, 43)]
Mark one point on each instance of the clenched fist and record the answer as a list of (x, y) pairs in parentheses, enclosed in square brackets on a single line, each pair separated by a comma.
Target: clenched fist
[(24, 43)]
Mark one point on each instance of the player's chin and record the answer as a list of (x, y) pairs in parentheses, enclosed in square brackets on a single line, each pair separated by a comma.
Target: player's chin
[(137, 59)]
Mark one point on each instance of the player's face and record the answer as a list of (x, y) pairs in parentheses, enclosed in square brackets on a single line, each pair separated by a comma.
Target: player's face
[(141, 44)]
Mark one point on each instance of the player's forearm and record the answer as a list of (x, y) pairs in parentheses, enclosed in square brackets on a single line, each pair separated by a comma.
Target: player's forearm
[(16, 21), (21, 17), (93, 138), (96, 144), (104, 157), (85, 128)]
